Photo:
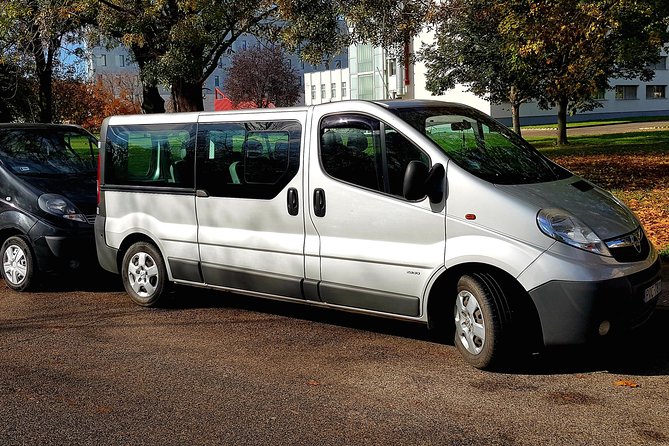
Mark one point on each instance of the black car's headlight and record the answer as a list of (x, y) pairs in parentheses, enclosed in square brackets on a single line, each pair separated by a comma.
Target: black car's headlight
[(60, 206)]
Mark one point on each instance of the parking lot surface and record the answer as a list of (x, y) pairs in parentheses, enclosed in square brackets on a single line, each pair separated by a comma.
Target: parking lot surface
[(83, 365)]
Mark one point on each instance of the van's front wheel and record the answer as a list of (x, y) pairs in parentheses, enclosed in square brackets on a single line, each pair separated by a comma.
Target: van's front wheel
[(144, 274), (18, 266), (481, 316)]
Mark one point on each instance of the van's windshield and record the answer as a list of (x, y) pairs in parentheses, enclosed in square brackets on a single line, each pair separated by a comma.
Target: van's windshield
[(48, 151), (482, 146)]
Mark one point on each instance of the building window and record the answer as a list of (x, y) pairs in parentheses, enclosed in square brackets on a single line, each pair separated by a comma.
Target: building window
[(656, 91), (626, 92), (243, 44), (343, 89), (599, 95), (217, 81), (660, 65), (365, 59), (333, 90), (322, 91), (103, 60), (121, 60), (337, 64), (313, 92), (302, 64), (366, 87), (392, 67)]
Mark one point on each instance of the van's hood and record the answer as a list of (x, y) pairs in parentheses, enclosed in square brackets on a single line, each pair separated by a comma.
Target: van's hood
[(80, 189), (595, 207)]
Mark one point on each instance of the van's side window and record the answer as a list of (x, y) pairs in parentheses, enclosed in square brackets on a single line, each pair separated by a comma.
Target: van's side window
[(160, 155), (247, 159), (366, 152)]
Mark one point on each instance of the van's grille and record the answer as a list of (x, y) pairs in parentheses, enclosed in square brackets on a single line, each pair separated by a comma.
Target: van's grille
[(90, 218), (632, 247)]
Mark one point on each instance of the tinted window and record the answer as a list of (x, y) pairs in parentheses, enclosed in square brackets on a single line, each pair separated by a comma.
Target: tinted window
[(50, 151), (366, 152), (482, 146), (247, 159), (151, 155)]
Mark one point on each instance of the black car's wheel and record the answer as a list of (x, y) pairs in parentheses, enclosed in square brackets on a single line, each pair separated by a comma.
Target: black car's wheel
[(18, 266), (481, 316), (144, 274)]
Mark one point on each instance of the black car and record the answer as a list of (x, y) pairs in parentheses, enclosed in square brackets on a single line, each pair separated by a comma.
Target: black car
[(48, 200)]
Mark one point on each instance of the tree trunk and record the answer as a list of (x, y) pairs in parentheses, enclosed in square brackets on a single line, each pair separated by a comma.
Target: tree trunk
[(44, 71), (515, 117), (187, 95), (152, 102), (562, 121)]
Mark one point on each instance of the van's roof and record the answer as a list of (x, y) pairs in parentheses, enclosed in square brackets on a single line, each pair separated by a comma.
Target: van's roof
[(188, 117), (417, 103)]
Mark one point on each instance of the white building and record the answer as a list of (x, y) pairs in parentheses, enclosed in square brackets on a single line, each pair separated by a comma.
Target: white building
[(374, 75)]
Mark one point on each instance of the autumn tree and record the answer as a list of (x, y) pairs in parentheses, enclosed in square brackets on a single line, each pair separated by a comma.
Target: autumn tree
[(262, 76), (179, 42), (34, 32), (578, 46), (16, 93), (469, 50)]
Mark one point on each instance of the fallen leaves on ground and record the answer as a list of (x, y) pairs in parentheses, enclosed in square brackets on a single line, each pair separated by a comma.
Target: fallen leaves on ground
[(313, 382), (626, 383)]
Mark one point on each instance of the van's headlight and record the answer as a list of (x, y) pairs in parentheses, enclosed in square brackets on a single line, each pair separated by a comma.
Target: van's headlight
[(565, 228), (58, 205)]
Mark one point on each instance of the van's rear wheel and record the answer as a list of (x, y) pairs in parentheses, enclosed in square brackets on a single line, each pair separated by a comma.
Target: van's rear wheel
[(18, 266), (481, 316), (144, 274)]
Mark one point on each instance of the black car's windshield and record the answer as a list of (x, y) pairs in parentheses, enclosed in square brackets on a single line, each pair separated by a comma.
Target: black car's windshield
[(482, 146), (49, 151)]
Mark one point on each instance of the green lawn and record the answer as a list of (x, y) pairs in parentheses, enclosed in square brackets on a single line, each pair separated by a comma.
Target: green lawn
[(601, 122)]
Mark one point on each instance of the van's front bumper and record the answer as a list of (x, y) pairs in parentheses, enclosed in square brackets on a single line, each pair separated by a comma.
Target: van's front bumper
[(571, 312), (62, 248)]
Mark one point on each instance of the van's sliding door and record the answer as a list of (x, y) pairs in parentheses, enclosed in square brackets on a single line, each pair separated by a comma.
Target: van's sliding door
[(249, 202)]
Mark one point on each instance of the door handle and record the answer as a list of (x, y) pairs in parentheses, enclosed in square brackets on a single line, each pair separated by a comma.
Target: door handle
[(319, 202), (293, 202)]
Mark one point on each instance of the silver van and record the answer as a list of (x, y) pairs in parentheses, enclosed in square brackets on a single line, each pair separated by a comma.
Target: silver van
[(417, 210)]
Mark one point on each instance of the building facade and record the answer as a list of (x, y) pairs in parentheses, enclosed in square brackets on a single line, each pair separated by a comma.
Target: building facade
[(375, 75)]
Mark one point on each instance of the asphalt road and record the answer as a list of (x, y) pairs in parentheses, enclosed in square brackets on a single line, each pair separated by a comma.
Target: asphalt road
[(81, 364)]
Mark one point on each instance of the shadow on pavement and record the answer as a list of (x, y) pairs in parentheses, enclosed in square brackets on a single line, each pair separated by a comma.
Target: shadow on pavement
[(90, 279), (642, 352)]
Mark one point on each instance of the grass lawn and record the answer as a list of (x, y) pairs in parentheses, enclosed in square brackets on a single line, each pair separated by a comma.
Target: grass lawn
[(601, 122), (633, 166)]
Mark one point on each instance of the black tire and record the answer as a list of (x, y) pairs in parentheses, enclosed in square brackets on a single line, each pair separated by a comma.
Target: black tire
[(144, 274), (18, 264), (482, 316)]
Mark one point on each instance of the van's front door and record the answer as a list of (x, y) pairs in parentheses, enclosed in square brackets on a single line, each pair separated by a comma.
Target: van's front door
[(250, 222), (377, 250)]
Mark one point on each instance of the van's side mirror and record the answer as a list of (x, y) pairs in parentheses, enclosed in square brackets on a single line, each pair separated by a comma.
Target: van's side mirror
[(420, 182)]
